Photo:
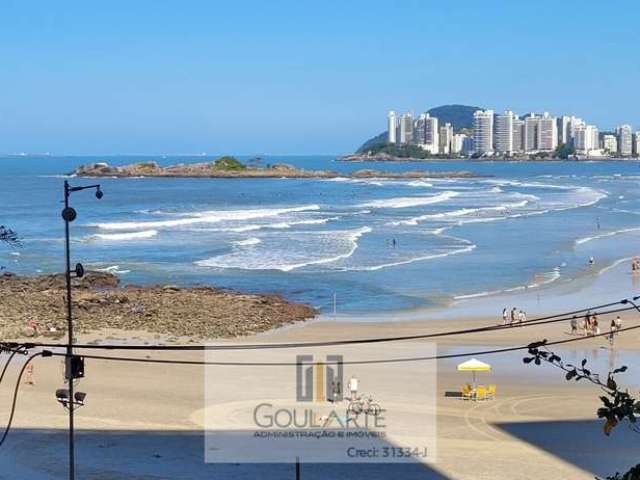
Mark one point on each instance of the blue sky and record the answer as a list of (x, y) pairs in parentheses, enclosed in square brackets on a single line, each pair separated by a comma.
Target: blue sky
[(297, 77)]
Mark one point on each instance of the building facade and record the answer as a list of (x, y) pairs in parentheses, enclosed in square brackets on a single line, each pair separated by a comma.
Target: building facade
[(483, 132), (406, 129), (610, 144), (547, 132), (392, 127), (625, 140), (445, 139), (504, 133)]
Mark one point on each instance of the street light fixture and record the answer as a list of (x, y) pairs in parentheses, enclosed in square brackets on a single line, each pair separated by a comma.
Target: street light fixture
[(74, 364)]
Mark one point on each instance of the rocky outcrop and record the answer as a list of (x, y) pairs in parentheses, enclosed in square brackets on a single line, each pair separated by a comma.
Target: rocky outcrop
[(210, 170), (99, 303)]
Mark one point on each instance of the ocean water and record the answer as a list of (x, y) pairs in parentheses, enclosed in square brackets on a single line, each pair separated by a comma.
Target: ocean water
[(377, 244)]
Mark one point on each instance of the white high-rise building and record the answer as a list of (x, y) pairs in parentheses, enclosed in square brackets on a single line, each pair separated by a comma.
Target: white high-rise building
[(392, 127), (547, 133), (586, 139), (610, 144), (406, 128), (636, 144), (518, 135), (445, 139), (457, 143), (425, 133), (625, 140), (504, 133), (531, 124), (574, 123), (483, 131)]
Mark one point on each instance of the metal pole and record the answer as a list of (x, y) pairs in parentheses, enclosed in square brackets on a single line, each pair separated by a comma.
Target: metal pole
[(297, 468), (70, 337)]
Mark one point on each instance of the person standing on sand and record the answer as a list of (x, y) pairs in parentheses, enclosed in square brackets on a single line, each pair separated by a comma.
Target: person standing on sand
[(612, 332), (574, 326), (618, 324), (505, 316), (594, 323), (586, 324), (522, 317), (513, 315)]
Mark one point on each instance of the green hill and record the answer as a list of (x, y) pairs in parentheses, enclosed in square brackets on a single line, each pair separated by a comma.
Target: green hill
[(460, 116)]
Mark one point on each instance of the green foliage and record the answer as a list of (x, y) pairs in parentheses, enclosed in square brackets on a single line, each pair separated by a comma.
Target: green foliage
[(401, 151), (228, 163), (633, 474), (460, 116), (617, 403), (564, 151)]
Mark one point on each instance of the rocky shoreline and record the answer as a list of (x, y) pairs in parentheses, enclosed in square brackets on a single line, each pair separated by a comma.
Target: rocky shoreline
[(35, 306), (211, 170)]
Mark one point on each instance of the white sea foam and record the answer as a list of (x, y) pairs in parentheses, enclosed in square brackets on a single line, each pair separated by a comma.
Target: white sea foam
[(287, 259), (581, 241), (125, 236), (614, 265), (247, 242), (422, 258), (463, 212), (420, 183), (115, 269), (539, 281), (406, 202), (211, 216)]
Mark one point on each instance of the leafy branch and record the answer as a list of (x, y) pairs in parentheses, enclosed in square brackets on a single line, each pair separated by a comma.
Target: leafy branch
[(617, 404)]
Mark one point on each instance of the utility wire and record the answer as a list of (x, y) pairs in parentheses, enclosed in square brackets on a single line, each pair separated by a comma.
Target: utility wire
[(532, 322), (15, 394), (352, 362)]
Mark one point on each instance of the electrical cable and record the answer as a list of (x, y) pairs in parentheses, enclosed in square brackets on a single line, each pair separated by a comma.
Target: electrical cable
[(353, 362), (15, 395), (532, 322)]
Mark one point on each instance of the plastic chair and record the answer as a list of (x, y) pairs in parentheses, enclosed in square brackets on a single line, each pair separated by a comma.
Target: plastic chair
[(466, 391), (481, 393), (491, 391)]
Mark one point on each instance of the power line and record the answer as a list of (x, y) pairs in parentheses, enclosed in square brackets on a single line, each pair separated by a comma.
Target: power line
[(352, 362), (532, 322), (15, 394)]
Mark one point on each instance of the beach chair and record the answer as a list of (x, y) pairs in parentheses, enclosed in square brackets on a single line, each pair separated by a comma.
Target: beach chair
[(491, 392), (481, 393), (467, 392)]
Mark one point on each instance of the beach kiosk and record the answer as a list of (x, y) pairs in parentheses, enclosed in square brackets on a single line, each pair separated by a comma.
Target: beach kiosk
[(475, 366)]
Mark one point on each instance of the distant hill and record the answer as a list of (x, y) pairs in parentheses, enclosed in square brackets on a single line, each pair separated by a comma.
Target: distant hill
[(460, 116)]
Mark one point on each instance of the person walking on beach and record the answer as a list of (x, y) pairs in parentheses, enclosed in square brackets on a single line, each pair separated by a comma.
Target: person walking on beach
[(505, 316), (612, 332), (618, 321), (514, 314), (574, 326), (586, 324), (522, 317), (594, 324)]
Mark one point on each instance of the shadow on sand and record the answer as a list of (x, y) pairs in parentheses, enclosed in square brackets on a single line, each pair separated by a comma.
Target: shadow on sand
[(39, 454)]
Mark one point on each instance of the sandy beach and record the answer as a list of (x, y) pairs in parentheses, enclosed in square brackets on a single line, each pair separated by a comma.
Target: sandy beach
[(146, 420)]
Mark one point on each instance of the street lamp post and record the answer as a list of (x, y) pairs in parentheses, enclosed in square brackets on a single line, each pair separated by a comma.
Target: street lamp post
[(74, 365)]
